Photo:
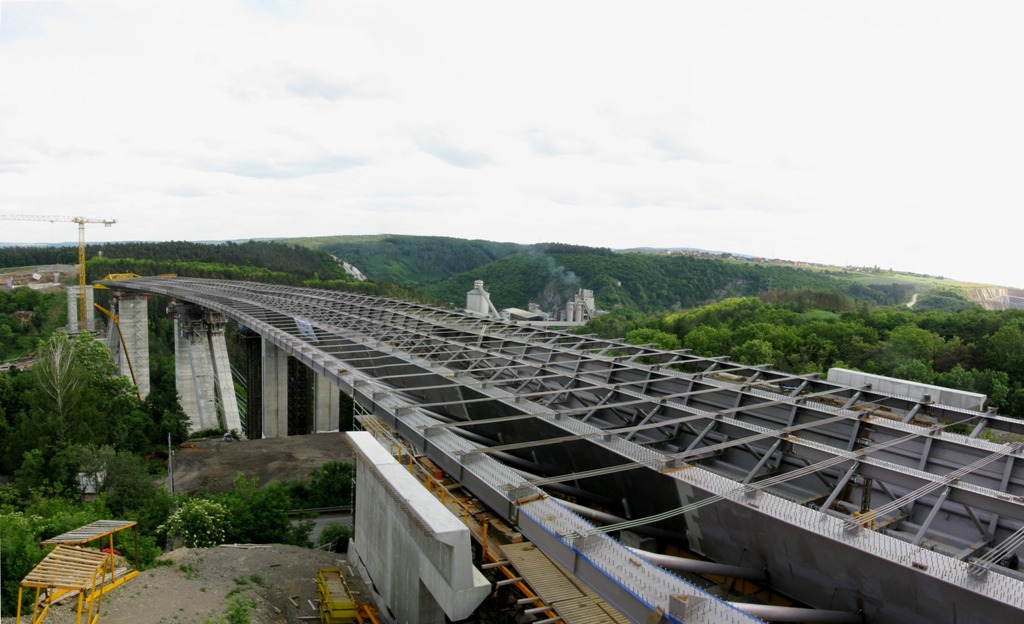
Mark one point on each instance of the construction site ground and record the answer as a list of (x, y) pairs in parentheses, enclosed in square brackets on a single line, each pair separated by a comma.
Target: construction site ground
[(197, 583)]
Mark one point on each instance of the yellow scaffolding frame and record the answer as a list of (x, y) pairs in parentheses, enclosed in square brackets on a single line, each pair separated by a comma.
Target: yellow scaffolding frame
[(96, 531), (69, 569), (65, 570)]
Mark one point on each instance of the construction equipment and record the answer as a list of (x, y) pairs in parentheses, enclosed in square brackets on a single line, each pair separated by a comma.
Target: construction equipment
[(124, 347), (72, 569), (336, 603), (81, 221)]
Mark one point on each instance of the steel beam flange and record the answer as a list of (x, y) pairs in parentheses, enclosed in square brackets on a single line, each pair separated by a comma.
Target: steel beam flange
[(469, 458), (583, 543), (684, 607), (520, 492), (977, 572)]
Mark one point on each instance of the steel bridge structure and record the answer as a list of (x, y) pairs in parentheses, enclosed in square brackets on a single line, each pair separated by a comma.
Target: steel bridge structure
[(868, 506)]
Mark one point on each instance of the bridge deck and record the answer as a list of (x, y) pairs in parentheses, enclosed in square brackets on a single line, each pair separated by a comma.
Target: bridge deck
[(828, 487)]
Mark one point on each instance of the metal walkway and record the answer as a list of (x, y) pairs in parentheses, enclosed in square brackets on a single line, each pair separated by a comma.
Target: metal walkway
[(828, 488), (570, 599)]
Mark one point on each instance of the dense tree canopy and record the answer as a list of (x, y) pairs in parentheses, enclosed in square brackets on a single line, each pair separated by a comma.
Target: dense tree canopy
[(969, 349)]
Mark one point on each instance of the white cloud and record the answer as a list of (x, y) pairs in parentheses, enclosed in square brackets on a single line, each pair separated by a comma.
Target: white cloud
[(877, 133)]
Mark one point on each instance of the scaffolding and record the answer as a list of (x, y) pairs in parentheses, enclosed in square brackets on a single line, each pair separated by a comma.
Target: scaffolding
[(71, 570)]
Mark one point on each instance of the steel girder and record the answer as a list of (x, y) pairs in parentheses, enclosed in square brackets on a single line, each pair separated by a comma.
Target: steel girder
[(805, 440)]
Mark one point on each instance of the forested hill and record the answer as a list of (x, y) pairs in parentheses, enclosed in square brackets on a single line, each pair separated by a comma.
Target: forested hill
[(412, 261), (442, 269), (255, 260), (644, 282)]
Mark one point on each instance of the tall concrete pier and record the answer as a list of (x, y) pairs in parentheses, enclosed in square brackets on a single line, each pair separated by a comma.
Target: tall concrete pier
[(275, 390), (326, 405), (202, 373), (90, 314), (130, 345)]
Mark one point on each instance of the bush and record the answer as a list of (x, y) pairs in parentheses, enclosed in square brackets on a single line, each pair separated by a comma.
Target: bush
[(200, 522), (331, 484), (337, 536), (238, 611)]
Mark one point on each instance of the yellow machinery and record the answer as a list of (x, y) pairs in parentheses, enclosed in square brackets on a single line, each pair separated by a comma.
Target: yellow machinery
[(69, 570), (81, 221), (336, 603)]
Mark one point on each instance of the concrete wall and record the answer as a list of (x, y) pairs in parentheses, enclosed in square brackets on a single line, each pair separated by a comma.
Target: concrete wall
[(917, 391), (413, 552)]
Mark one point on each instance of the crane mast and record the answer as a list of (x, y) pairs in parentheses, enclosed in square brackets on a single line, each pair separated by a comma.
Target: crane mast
[(81, 221)]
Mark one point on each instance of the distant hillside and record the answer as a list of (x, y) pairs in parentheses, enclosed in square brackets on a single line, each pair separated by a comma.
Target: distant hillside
[(411, 260), (644, 282), (442, 269), (261, 261)]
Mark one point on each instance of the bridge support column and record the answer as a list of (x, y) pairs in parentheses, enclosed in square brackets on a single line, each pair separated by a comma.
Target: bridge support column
[(275, 390), (90, 312), (326, 405), (202, 373), (132, 311), (225, 384)]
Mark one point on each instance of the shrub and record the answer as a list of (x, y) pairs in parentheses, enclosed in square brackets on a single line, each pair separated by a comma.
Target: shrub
[(200, 522), (337, 536)]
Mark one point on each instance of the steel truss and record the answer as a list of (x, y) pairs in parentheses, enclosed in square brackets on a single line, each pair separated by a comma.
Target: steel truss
[(621, 423)]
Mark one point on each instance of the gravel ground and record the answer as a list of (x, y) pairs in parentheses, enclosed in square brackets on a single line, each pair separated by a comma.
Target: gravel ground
[(213, 463), (197, 586)]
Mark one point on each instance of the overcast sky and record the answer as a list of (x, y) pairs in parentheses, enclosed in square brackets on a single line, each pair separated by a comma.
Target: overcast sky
[(884, 133)]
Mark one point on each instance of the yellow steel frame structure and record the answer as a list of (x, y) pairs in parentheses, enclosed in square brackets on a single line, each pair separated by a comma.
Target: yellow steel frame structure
[(102, 529), (65, 570), (69, 568)]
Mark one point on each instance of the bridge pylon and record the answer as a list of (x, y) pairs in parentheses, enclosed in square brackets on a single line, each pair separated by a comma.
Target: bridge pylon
[(132, 358), (202, 372)]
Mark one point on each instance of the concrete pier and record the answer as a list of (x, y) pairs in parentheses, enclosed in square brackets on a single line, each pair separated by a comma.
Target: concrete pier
[(326, 405), (275, 390), (193, 370), (223, 380), (132, 311), (202, 372), (90, 313)]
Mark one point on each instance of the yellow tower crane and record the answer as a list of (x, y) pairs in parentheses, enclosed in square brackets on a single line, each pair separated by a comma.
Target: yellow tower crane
[(81, 221)]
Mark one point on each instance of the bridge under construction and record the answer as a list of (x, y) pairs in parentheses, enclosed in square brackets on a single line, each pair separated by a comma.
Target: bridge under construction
[(867, 505)]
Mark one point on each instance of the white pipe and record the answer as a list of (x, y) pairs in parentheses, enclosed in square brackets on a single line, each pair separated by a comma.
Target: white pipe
[(794, 614), (700, 567), (607, 518)]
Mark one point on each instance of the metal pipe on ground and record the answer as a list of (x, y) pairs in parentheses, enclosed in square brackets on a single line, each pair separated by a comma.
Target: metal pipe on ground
[(701, 567), (774, 613)]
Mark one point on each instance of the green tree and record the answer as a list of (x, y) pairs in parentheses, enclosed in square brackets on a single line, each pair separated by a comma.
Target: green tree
[(660, 339), (331, 484), (260, 515), (753, 352)]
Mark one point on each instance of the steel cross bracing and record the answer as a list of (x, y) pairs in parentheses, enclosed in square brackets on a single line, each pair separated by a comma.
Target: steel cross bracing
[(514, 389)]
